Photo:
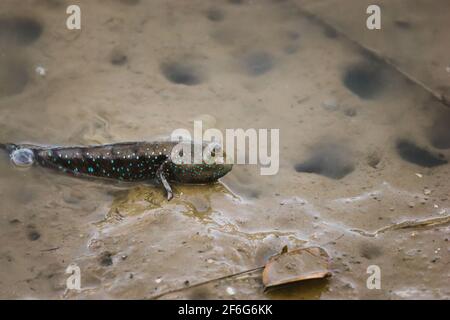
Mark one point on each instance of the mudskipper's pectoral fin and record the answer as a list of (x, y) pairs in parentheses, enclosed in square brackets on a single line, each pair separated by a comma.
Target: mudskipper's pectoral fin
[(165, 183)]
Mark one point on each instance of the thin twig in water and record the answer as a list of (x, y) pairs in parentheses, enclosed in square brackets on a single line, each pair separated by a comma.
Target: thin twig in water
[(406, 225), (50, 249), (205, 282)]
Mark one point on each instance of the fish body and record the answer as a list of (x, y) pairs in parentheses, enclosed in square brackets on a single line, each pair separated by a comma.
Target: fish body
[(129, 161), (122, 161)]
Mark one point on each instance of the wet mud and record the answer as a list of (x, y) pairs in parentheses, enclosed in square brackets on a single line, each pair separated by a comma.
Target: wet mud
[(363, 171)]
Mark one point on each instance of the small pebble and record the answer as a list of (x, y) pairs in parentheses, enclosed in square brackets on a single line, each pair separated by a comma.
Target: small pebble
[(118, 58), (106, 259), (231, 291), (41, 71), (33, 235)]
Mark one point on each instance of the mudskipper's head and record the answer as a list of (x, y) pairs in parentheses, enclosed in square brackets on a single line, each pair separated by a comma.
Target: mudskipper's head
[(194, 163)]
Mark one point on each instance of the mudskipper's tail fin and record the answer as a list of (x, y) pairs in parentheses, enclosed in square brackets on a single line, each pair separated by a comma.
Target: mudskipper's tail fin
[(20, 155)]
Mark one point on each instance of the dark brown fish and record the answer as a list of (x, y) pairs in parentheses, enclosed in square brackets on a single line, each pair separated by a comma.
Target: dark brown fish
[(131, 161)]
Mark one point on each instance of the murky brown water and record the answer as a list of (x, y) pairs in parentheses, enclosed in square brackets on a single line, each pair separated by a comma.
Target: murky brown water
[(360, 148)]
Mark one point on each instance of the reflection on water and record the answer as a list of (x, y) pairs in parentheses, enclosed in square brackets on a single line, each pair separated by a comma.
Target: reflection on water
[(360, 148)]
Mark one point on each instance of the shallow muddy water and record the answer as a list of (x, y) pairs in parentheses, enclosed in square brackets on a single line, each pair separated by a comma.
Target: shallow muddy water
[(361, 149)]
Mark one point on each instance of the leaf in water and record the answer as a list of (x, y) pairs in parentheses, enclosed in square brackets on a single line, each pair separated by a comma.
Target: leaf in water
[(296, 265)]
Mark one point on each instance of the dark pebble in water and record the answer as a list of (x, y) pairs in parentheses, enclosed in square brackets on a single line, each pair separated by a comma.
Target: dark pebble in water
[(13, 77), (373, 159), (258, 63), (350, 112), (402, 24), (118, 58), (180, 73), (439, 133), (20, 30), (33, 235), (330, 32), (370, 251), (215, 14), (364, 80), (410, 152), (106, 259), (331, 161)]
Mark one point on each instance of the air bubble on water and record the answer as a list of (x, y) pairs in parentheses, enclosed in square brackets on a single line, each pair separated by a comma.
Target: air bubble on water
[(40, 70), (22, 157)]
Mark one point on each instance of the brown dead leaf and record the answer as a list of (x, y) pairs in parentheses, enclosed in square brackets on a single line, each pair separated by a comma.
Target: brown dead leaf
[(296, 265)]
